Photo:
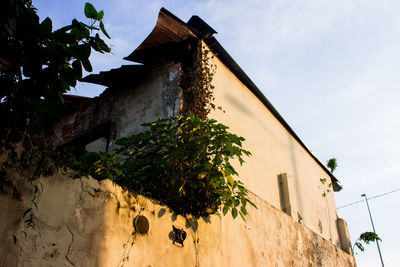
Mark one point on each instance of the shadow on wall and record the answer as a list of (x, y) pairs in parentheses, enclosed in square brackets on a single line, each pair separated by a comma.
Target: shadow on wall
[(239, 105), (295, 175), (84, 222)]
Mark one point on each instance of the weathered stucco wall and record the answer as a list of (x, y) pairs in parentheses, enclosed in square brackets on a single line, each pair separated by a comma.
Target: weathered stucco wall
[(157, 95), (274, 152), (83, 222)]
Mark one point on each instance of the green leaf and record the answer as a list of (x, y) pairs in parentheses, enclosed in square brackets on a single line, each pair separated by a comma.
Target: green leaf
[(201, 175), (225, 210), (359, 246), (60, 96), (104, 30), (251, 203), (77, 67), (243, 210), (90, 11), (234, 213), (101, 44), (242, 215), (86, 65), (231, 181), (81, 51), (47, 25), (100, 15)]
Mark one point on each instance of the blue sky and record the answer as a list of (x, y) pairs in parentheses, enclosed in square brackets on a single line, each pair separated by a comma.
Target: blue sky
[(331, 68)]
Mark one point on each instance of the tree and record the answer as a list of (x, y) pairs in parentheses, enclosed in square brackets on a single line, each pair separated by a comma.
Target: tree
[(39, 64), (331, 164)]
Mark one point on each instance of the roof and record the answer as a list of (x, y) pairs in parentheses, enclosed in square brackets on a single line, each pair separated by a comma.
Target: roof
[(72, 101), (117, 77), (170, 30)]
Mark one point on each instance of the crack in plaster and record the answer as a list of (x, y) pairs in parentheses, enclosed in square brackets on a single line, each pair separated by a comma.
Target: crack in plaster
[(69, 245)]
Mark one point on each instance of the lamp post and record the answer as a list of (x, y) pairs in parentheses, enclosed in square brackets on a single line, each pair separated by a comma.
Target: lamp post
[(373, 227)]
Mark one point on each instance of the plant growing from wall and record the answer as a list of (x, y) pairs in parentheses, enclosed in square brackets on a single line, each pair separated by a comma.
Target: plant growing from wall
[(332, 164), (184, 162), (325, 192), (367, 238), (326, 189), (199, 96)]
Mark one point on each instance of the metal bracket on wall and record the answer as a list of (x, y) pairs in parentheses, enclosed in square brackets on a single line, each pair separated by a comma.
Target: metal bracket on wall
[(177, 235)]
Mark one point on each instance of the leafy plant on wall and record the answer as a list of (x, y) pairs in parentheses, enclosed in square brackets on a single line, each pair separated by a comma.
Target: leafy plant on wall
[(199, 96), (182, 161), (367, 238), (327, 187), (332, 164)]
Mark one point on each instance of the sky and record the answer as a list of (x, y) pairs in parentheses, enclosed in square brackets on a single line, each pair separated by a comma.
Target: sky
[(331, 69)]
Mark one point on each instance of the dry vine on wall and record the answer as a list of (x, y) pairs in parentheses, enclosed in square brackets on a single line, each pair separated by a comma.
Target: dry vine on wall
[(199, 96)]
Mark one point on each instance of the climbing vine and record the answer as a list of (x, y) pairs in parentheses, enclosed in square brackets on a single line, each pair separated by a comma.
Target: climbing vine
[(326, 189), (199, 96)]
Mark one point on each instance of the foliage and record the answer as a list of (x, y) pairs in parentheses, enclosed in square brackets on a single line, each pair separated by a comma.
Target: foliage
[(366, 237), (326, 190), (101, 165), (199, 96), (331, 164), (39, 64), (182, 161)]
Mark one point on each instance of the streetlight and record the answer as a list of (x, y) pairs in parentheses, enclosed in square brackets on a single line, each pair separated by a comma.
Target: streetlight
[(373, 227)]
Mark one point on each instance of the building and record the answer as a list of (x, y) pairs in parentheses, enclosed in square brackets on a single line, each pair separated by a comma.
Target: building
[(296, 223)]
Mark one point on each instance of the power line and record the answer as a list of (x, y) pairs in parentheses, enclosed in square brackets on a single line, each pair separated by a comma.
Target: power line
[(381, 195)]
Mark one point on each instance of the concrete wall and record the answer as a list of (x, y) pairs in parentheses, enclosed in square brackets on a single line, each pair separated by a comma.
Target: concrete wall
[(274, 152), (83, 222), (156, 96)]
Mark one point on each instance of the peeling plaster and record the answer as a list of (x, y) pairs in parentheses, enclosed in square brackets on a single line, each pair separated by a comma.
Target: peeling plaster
[(171, 91), (84, 222)]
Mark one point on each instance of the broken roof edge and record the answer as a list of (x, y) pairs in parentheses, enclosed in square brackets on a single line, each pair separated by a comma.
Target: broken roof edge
[(168, 29), (195, 30)]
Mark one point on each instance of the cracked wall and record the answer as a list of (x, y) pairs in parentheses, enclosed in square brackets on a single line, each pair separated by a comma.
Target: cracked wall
[(84, 222), (61, 221), (156, 95)]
